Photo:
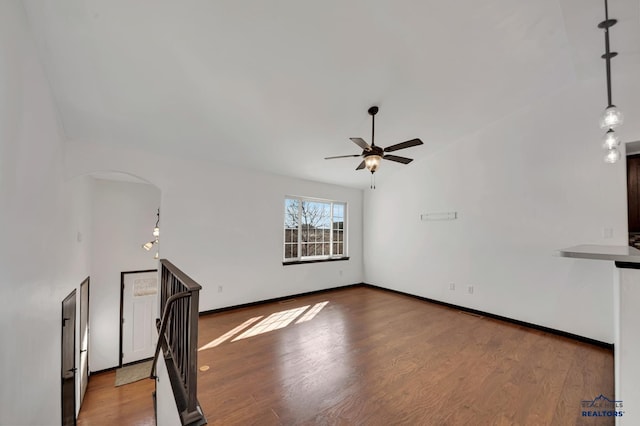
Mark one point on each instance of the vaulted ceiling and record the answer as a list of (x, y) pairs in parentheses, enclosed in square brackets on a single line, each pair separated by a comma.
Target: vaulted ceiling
[(278, 85)]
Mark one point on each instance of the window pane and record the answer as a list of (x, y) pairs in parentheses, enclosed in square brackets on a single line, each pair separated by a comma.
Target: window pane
[(310, 227), (291, 213), (338, 210), (290, 251), (305, 233)]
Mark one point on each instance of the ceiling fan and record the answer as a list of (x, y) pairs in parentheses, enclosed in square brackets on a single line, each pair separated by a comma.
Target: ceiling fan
[(372, 154)]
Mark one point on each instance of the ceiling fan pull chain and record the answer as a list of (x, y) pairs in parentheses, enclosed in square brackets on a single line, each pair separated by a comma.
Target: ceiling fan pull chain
[(373, 181)]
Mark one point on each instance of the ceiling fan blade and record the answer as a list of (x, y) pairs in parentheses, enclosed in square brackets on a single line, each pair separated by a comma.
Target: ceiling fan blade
[(360, 166), (361, 143), (403, 160), (403, 145), (342, 156)]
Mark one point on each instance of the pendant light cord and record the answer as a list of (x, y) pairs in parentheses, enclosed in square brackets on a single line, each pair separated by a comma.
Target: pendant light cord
[(607, 52)]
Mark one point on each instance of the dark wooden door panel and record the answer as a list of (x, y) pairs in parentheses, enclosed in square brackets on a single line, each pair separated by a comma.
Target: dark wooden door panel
[(68, 364)]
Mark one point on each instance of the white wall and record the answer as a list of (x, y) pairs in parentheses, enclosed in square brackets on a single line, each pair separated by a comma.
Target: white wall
[(124, 214), (167, 414), (223, 226), (523, 187), (628, 346), (41, 259), (226, 230)]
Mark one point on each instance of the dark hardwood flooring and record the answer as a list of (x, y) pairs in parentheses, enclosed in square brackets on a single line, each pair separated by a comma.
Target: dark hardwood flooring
[(372, 357), (105, 404)]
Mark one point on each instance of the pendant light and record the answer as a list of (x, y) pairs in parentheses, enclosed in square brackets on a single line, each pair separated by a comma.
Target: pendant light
[(612, 116), (156, 234)]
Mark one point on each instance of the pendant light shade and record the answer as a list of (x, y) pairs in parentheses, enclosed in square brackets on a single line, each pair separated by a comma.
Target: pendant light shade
[(610, 140), (611, 118), (613, 155)]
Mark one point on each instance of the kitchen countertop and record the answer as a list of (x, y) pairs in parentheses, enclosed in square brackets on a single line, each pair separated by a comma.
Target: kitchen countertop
[(602, 252)]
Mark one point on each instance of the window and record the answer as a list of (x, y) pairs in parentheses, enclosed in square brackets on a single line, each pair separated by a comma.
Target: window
[(314, 229)]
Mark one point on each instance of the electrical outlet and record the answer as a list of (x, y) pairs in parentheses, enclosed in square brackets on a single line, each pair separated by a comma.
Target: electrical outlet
[(452, 286), (607, 233), (340, 272), (470, 289), (219, 289)]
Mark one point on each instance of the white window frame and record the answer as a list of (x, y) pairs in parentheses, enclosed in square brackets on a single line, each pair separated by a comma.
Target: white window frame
[(315, 258)]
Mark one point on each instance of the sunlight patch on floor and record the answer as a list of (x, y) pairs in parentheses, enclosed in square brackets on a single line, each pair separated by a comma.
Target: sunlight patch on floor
[(274, 321), (229, 334), (312, 312)]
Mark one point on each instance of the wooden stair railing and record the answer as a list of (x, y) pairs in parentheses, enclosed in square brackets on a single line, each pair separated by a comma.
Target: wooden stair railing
[(178, 340)]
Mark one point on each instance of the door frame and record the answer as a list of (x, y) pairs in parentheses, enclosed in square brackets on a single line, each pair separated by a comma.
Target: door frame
[(122, 274), (87, 371), (70, 297)]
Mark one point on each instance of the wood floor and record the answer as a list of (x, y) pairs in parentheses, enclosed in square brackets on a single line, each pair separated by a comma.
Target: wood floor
[(372, 357), (105, 404)]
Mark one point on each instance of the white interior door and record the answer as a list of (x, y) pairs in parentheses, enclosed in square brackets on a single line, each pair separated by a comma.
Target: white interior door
[(139, 311)]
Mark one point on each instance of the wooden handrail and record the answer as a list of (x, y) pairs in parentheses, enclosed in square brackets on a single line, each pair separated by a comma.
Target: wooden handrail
[(185, 280), (178, 338), (163, 326)]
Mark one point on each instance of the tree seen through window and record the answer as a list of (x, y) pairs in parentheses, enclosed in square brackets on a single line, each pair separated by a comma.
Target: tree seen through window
[(313, 229)]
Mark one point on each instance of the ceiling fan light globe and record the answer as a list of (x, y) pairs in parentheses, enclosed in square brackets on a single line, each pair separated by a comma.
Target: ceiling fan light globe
[(372, 162)]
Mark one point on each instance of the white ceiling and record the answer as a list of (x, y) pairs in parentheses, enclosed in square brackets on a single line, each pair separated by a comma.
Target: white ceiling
[(278, 85)]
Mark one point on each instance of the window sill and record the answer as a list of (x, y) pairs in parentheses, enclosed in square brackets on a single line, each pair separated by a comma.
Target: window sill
[(302, 262)]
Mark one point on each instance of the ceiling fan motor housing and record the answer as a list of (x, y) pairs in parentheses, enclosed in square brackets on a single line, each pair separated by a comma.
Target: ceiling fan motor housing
[(375, 150)]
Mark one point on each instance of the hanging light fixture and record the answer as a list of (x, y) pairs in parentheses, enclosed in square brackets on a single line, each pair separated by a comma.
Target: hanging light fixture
[(612, 117), (372, 162), (610, 140), (612, 156), (148, 246), (156, 234)]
